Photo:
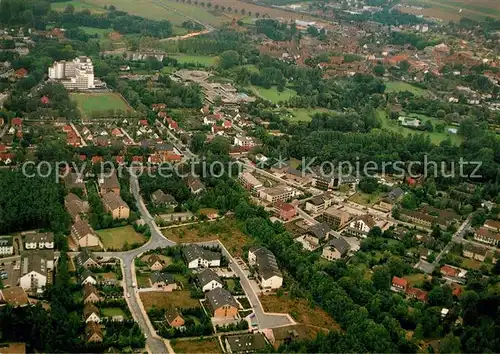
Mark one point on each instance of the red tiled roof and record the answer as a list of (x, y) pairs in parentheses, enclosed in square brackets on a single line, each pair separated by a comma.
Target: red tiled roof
[(96, 159), (450, 271), (16, 121), (492, 224), (119, 159), (399, 282), (143, 122), (417, 293), (3, 148)]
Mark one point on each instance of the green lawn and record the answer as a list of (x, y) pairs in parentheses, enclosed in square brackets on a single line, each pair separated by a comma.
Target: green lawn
[(117, 237), (417, 279), (302, 114), (204, 60), (92, 102), (365, 199), (113, 311), (436, 138), (272, 94), (79, 6), (102, 32), (143, 280), (399, 86)]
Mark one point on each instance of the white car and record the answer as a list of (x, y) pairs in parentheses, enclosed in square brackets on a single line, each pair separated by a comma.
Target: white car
[(133, 284), (128, 295)]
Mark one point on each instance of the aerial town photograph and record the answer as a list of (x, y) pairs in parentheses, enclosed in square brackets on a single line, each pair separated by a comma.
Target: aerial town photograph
[(249, 176)]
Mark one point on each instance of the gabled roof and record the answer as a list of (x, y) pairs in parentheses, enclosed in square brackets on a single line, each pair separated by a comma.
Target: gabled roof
[(219, 297), (89, 309), (89, 289), (399, 282), (162, 198), (158, 277), (84, 256), (206, 276), (81, 229), (193, 252), (340, 244), (109, 180), (39, 237), (171, 314), (266, 262), (113, 201), (93, 329), (245, 343), (319, 231), (14, 296), (85, 274)]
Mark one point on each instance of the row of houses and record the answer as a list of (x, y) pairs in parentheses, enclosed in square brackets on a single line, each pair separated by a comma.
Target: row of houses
[(31, 240)]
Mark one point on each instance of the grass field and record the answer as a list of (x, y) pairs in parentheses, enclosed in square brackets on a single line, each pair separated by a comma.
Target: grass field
[(436, 137), (417, 279), (205, 345), (300, 310), (92, 102), (302, 114), (113, 311), (99, 31), (272, 94), (116, 238), (399, 86), (79, 6), (143, 279), (449, 10), (225, 230), (365, 199), (204, 60), (163, 300)]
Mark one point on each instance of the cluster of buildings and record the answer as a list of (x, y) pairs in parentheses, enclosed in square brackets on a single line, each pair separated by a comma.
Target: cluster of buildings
[(489, 233), (77, 74)]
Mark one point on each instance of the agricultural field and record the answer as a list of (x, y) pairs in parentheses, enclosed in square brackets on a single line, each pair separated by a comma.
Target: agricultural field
[(399, 86), (92, 102), (78, 4), (225, 230), (449, 10), (436, 138), (204, 345), (300, 310), (178, 298), (204, 60), (118, 237), (272, 94)]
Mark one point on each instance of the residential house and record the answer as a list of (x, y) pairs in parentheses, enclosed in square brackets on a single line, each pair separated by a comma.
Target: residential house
[(108, 182), (336, 248), (416, 293), (162, 281), (319, 203), (115, 205), (486, 235), (6, 246), (83, 234), (286, 211), (195, 185), (87, 277), (174, 318), (278, 193), (399, 284), (249, 181), (91, 313), (245, 343), (75, 207), (90, 293), (86, 259), (391, 199), (74, 180), (360, 226), (93, 333), (417, 217), (453, 274), (155, 262), (244, 141), (198, 257), (475, 252), (13, 296), (39, 240), (208, 280), (336, 218), (269, 275), (159, 198), (221, 303), (317, 234), (34, 272)]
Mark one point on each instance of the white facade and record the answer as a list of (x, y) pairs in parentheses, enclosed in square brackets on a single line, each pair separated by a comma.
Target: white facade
[(77, 74), (6, 246), (89, 280), (203, 263), (212, 285), (93, 317), (32, 280), (274, 282)]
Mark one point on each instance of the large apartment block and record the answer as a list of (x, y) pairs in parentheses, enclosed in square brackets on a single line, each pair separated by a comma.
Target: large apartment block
[(278, 193), (77, 74), (336, 218)]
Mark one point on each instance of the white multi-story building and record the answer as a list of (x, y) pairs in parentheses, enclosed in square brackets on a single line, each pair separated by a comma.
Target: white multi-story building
[(42, 240), (6, 246), (269, 275), (77, 74)]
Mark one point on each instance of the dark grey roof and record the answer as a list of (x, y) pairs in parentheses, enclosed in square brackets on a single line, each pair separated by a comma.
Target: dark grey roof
[(394, 194), (193, 252), (245, 343), (85, 274), (39, 237), (6, 241), (316, 201), (84, 256), (294, 171), (340, 244), (266, 263), (220, 297), (319, 230), (158, 277), (206, 276), (159, 197)]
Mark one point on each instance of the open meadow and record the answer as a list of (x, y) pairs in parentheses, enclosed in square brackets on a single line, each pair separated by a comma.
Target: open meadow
[(454, 10), (202, 345), (92, 102)]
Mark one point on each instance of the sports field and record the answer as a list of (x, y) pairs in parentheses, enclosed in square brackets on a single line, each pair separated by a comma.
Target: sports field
[(92, 102)]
